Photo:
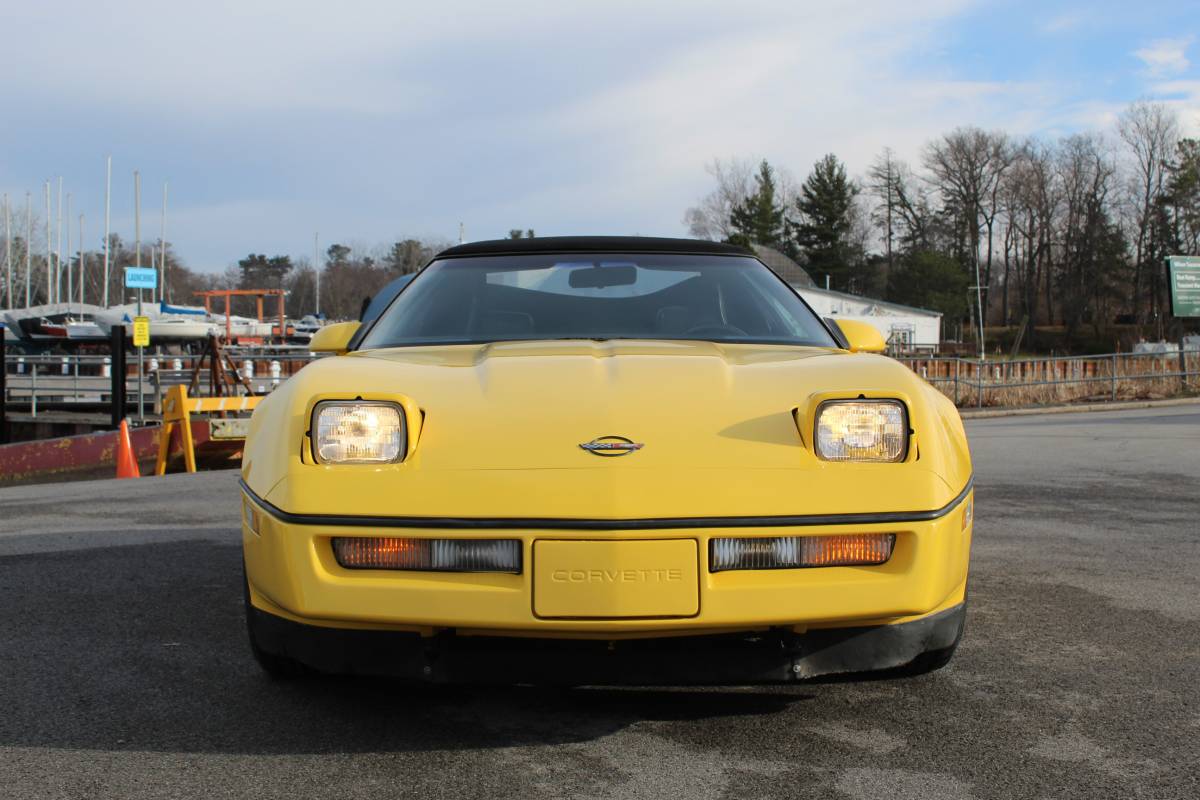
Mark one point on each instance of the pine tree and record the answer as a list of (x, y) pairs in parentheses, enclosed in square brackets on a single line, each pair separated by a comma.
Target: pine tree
[(759, 218), (826, 211)]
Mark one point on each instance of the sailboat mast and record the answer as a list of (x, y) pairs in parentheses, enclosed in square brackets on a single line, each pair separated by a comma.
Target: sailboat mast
[(107, 198), (58, 246), (28, 247), (8, 251), (82, 263), (70, 270), (49, 251), (162, 250)]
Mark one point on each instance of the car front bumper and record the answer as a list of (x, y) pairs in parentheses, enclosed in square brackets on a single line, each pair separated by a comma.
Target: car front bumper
[(773, 656), (294, 577)]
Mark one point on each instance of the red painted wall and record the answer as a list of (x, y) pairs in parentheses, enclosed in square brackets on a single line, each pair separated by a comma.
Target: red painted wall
[(28, 459)]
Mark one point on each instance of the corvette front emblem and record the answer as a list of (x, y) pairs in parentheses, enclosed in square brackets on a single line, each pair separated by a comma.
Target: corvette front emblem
[(609, 446)]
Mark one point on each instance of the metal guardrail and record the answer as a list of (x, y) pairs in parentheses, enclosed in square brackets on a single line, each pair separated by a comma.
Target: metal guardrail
[(1057, 379)]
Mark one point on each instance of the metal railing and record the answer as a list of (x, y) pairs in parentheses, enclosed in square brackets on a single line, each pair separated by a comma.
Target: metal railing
[(1060, 379), (61, 381), (87, 379)]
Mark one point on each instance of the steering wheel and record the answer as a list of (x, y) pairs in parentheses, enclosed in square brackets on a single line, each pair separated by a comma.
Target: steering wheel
[(713, 329)]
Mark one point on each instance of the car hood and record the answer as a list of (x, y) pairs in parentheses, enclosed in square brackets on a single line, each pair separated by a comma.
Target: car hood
[(707, 414), (519, 405)]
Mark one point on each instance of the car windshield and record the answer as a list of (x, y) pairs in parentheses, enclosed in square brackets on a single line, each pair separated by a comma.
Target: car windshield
[(596, 296)]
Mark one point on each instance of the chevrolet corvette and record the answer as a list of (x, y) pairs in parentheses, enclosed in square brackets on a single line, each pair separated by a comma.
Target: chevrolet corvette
[(604, 460)]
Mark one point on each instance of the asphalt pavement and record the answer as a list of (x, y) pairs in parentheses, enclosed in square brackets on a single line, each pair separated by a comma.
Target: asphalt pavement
[(124, 671)]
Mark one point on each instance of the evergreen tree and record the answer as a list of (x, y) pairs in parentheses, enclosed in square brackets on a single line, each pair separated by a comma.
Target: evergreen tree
[(759, 218), (824, 233), (930, 279), (407, 256), (1180, 204), (260, 272), (337, 254)]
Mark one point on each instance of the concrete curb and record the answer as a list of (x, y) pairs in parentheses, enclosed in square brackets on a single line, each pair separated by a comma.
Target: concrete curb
[(986, 413)]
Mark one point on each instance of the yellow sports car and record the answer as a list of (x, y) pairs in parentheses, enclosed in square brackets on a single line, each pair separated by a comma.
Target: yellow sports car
[(604, 461)]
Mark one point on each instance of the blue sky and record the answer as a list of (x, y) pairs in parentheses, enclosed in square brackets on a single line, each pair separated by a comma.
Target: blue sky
[(372, 121)]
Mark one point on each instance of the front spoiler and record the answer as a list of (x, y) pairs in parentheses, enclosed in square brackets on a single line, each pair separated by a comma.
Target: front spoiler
[(737, 659)]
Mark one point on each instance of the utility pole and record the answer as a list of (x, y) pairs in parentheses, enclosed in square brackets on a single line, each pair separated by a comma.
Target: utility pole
[(137, 224), (107, 197), (137, 251), (980, 312), (317, 267)]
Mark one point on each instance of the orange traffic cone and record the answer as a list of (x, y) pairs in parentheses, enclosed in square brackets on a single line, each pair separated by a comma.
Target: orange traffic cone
[(127, 465)]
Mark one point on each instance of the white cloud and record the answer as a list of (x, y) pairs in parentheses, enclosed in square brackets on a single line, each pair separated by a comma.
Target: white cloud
[(1184, 97), (1164, 57), (1065, 22)]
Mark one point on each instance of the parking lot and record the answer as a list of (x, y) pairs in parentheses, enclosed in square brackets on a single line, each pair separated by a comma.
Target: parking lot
[(124, 670)]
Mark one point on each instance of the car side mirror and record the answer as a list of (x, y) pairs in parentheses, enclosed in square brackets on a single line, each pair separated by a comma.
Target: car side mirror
[(862, 337), (333, 338)]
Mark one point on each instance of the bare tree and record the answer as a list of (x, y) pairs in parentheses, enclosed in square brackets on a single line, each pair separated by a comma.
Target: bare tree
[(884, 183), (710, 219), (966, 166), (1150, 132), (1029, 198), (1088, 251)]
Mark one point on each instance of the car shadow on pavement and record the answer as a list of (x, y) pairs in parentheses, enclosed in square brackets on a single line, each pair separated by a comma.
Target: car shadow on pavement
[(143, 647)]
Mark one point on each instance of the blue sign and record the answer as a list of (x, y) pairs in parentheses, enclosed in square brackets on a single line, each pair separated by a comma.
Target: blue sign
[(140, 278)]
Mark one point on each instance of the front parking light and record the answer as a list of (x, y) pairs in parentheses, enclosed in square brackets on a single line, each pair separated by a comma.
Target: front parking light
[(790, 552), (431, 555)]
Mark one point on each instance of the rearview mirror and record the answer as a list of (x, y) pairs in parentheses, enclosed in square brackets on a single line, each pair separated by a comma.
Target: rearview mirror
[(333, 338), (862, 337), (601, 277)]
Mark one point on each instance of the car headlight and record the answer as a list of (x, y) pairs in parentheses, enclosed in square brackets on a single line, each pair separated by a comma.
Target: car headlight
[(362, 432), (862, 430)]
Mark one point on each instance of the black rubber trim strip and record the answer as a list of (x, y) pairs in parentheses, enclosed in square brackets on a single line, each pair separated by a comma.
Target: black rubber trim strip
[(656, 523)]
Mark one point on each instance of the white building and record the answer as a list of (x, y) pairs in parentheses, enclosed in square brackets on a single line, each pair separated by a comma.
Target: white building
[(904, 328)]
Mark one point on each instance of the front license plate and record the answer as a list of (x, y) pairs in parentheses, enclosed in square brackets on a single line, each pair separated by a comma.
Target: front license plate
[(616, 580)]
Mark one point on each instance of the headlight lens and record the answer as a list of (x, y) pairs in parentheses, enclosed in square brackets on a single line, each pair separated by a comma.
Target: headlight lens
[(862, 430), (358, 433)]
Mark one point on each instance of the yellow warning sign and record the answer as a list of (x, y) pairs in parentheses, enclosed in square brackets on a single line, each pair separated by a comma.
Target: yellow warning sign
[(141, 331)]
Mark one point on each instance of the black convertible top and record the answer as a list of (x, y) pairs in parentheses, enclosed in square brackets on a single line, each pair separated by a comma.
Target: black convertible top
[(593, 244)]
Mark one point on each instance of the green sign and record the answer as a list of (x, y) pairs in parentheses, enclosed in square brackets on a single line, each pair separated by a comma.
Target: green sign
[(1184, 275)]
